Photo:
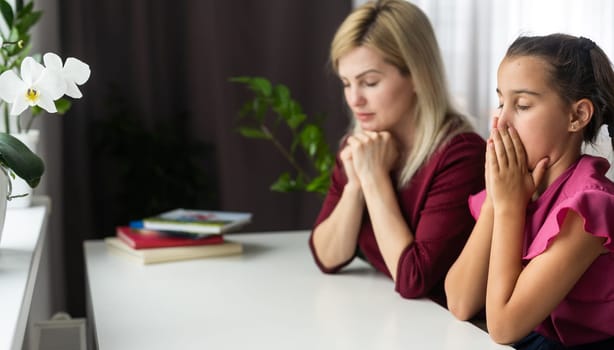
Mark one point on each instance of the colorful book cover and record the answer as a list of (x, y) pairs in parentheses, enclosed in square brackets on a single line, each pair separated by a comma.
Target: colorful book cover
[(197, 221), (167, 254), (143, 238)]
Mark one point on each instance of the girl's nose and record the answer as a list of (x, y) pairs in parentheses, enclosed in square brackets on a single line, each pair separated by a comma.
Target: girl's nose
[(502, 120)]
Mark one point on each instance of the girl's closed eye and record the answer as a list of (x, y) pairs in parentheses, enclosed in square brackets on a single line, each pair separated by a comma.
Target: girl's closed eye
[(371, 83), (522, 107), (523, 103)]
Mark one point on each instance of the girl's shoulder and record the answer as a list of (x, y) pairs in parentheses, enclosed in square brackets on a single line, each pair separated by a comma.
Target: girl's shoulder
[(589, 174), (589, 193)]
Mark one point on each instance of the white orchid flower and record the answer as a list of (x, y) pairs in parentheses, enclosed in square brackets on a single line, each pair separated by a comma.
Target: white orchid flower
[(74, 72), (39, 87)]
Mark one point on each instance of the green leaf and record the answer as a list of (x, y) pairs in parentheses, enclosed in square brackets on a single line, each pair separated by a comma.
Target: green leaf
[(295, 108), (310, 137), (7, 12), (261, 86), (62, 105), (27, 19), (281, 100), (254, 133), (14, 36), (25, 9), (283, 184), (259, 108), (325, 161), (296, 120), (23, 162), (36, 110), (320, 184), (281, 95)]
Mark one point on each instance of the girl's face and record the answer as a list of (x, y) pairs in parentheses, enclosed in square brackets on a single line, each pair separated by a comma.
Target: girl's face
[(380, 97), (529, 104)]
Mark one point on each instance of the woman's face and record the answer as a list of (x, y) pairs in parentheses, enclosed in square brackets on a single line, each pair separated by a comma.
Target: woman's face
[(529, 104), (380, 97)]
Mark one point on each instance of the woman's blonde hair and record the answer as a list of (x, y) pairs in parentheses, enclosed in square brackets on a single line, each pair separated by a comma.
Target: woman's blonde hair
[(402, 33)]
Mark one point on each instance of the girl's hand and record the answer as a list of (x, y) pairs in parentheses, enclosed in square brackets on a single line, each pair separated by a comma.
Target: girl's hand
[(509, 181), (488, 200), (373, 153)]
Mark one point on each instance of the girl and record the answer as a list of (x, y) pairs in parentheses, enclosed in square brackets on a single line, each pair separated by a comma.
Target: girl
[(409, 161), (540, 257)]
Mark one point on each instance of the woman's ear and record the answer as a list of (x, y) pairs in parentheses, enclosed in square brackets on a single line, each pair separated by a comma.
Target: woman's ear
[(582, 113)]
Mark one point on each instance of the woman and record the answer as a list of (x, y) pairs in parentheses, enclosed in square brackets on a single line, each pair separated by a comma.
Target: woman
[(399, 189)]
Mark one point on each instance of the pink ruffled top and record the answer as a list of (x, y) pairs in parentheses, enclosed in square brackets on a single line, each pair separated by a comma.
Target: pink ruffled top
[(587, 312)]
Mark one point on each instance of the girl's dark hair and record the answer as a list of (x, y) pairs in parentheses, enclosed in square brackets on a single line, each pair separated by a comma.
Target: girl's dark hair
[(579, 69)]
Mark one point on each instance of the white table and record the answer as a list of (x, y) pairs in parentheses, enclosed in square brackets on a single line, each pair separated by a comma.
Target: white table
[(20, 251), (270, 297)]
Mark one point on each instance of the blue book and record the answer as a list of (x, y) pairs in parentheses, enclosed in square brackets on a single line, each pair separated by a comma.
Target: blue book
[(195, 221)]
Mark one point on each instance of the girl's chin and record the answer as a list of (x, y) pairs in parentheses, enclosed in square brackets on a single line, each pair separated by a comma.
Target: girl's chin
[(533, 164)]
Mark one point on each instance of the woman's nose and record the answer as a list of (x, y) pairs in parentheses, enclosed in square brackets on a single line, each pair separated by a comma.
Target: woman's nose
[(355, 97)]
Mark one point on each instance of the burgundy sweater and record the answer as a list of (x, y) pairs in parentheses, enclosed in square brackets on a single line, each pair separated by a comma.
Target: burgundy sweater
[(434, 205)]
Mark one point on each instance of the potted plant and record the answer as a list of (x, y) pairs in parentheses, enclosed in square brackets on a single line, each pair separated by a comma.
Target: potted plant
[(37, 87), (272, 107), (18, 160)]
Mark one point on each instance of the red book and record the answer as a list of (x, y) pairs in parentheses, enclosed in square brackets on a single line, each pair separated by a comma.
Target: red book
[(142, 239)]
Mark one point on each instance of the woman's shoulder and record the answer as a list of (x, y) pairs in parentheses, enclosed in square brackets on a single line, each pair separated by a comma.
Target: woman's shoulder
[(465, 141), (461, 147), (468, 137), (460, 157)]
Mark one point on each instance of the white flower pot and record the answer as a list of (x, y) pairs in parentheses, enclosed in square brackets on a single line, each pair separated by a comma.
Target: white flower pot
[(30, 139), (4, 189)]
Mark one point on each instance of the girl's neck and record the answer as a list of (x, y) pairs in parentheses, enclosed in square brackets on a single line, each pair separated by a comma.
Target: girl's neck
[(557, 168)]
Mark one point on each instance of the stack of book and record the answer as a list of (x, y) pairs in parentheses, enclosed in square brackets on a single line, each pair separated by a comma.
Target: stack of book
[(179, 234)]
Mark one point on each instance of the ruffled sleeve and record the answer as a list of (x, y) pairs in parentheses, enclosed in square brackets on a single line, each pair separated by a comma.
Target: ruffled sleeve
[(475, 203), (595, 206)]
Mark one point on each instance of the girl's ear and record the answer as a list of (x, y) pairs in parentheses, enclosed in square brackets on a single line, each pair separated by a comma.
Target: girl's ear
[(582, 113)]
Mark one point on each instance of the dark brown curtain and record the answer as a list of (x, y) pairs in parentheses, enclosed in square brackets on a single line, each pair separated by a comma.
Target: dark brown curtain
[(164, 66)]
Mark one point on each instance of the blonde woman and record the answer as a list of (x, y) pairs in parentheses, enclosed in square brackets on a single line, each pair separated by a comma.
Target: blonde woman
[(399, 190)]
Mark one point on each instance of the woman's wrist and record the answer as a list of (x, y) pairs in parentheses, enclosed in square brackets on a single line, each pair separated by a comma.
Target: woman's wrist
[(352, 187), (373, 177)]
